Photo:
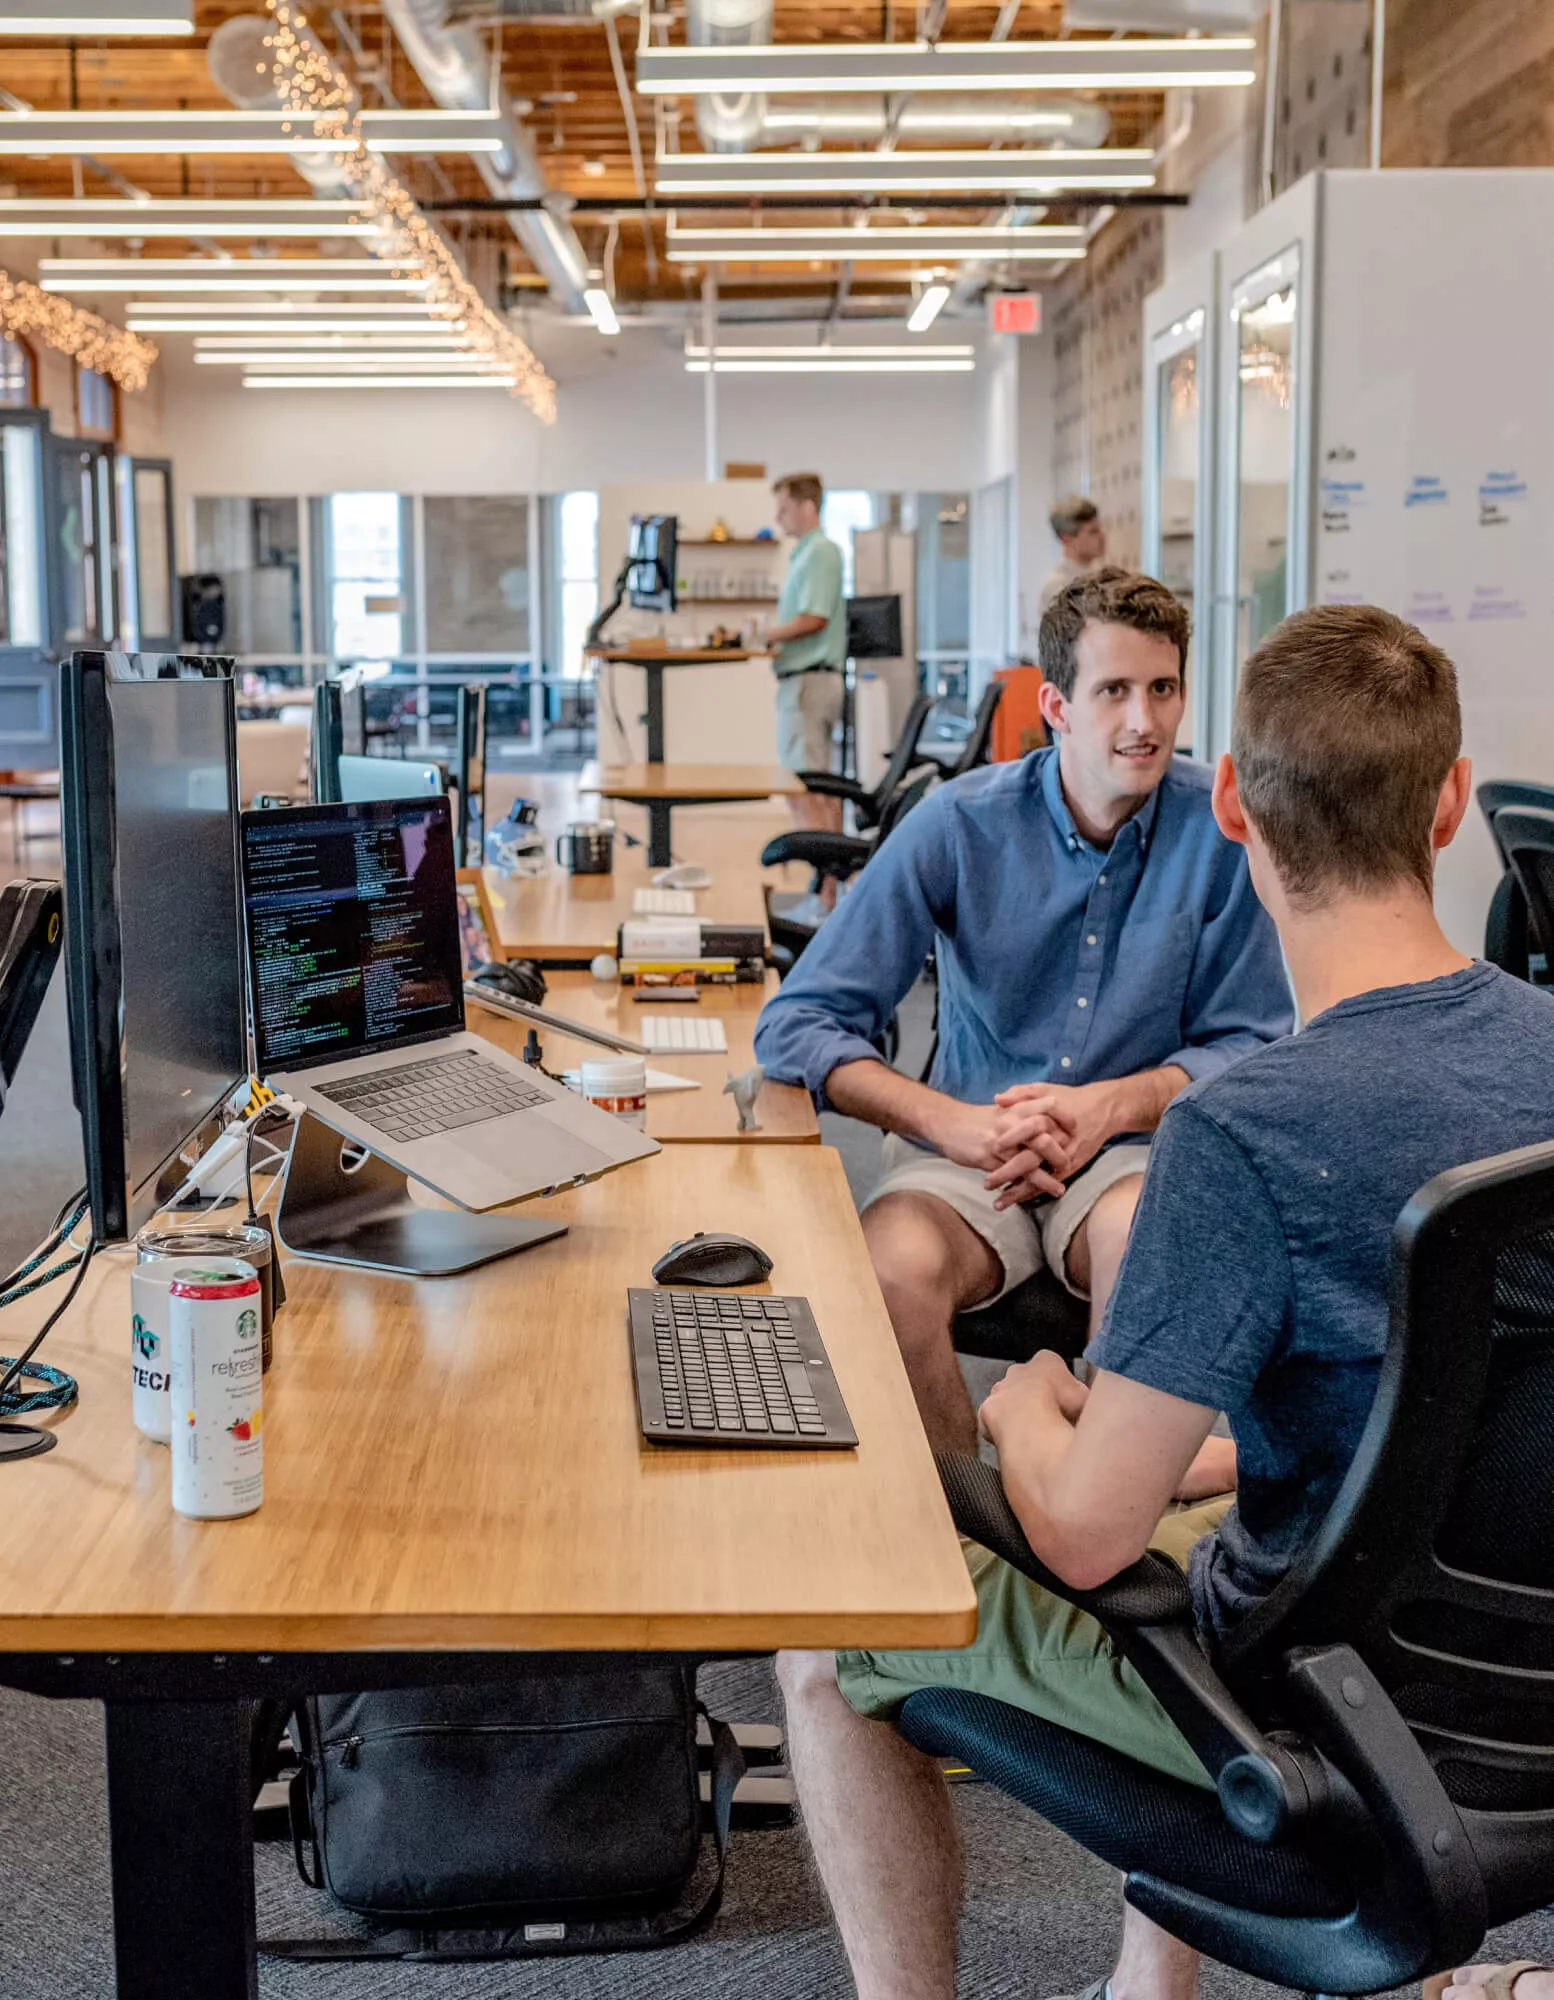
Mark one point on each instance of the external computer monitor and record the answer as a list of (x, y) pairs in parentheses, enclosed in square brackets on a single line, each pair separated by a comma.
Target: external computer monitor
[(469, 772), (652, 560), (339, 729), (390, 778), (153, 933), (874, 628)]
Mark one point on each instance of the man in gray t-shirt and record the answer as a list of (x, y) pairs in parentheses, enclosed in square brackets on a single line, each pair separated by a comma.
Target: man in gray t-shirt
[(1254, 1282)]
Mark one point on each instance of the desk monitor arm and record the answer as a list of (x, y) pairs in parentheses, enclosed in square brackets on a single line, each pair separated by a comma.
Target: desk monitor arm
[(617, 599), (31, 928)]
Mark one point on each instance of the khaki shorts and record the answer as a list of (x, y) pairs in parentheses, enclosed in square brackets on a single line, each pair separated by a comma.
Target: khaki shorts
[(1037, 1652), (809, 706), (1024, 1239)]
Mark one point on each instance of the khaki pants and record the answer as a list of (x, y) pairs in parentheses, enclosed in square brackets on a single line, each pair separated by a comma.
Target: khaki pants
[(1037, 1652)]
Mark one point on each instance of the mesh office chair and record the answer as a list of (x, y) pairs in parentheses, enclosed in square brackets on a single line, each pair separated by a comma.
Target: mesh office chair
[(973, 751), (1511, 941), (869, 801), (1381, 1729), (1526, 838), (838, 856)]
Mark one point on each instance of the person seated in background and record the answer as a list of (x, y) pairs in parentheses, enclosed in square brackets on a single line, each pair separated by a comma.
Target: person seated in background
[(1076, 522), (1098, 947), (1255, 1281)]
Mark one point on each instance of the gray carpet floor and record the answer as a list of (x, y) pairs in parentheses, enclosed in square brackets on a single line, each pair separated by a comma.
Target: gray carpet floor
[(1042, 1916)]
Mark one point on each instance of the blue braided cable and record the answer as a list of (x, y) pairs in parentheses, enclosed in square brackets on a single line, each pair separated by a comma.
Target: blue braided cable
[(62, 1389), (46, 1249), (45, 1278)]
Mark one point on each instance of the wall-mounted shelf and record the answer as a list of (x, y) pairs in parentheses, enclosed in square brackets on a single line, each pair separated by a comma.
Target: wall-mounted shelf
[(733, 542)]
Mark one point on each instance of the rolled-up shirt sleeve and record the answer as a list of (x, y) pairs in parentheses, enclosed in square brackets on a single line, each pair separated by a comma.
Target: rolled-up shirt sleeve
[(863, 960), (1238, 994)]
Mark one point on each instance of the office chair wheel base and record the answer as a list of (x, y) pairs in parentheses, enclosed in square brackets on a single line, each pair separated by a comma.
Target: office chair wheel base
[(25, 1440)]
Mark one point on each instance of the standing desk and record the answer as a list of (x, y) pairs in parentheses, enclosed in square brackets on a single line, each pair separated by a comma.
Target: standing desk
[(653, 656), (786, 1114), (456, 1489), (661, 787)]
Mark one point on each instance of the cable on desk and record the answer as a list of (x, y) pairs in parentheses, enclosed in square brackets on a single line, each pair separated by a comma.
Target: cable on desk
[(63, 1389)]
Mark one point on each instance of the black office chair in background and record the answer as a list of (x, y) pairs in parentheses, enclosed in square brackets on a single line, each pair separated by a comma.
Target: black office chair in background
[(869, 801), (1512, 939), (837, 856), (973, 752), (1381, 1730)]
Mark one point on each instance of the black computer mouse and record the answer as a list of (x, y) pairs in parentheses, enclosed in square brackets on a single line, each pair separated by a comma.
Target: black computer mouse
[(712, 1260)]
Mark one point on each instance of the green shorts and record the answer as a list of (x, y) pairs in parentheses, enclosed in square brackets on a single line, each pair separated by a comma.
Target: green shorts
[(1037, 1652)]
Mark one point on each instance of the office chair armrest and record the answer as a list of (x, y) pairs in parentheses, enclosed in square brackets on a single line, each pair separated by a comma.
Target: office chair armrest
[(1151, 1591), (1265, 1788), (828, 786), (838, 854)]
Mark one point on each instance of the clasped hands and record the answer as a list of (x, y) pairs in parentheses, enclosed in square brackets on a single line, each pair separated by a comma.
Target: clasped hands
[(1030, 1139)]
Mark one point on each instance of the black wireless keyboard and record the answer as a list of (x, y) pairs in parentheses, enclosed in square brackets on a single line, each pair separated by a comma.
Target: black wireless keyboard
[(733, 1368)]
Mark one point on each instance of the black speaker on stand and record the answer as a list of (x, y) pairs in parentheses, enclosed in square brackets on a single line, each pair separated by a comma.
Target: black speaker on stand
[(204, 611)]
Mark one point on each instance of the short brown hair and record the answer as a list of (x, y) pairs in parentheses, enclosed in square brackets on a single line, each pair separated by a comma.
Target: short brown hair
[(801, 485), (1070, 514), (1109, 596), (1346, 726)]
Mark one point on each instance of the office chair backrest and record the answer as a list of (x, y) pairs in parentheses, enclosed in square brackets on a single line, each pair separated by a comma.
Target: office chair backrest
[(974, 750), (904, 755), (902, 800), (1526, 838), (1436, 1563), (1496, 795)]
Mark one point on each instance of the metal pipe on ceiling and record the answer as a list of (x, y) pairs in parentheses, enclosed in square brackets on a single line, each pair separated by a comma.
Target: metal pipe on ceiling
[(455, 65)]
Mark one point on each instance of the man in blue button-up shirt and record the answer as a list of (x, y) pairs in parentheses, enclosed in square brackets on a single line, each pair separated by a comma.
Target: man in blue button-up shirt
[(1099, 947)]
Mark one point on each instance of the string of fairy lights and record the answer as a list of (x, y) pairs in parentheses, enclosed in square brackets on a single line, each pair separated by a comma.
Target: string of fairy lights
[(314, 87), (95, 343)]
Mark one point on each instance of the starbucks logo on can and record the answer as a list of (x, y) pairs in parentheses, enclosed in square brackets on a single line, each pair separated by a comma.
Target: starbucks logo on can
[(247, 1324)]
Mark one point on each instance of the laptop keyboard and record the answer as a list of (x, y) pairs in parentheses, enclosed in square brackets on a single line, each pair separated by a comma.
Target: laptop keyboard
[(439, 1095)]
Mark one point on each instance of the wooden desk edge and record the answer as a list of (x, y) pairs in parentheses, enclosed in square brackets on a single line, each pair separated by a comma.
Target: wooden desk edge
[(605, 1632)]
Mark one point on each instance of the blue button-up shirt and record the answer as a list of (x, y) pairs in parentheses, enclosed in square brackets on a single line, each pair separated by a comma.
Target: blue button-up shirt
[(1058, 961)]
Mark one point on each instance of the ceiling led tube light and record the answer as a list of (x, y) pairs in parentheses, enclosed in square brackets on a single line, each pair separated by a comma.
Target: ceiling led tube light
[(1031, 244), (43, 134), (928, 308), (850, 360), (789, 68), (98, 17), (601, 311), (222, 269), (378, 381), (64, 218), (304, 347), (452, 363), (909, 366), (1043, 171)]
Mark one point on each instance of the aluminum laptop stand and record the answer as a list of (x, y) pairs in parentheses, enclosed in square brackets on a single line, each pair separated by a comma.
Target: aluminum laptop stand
[(363, 1215)]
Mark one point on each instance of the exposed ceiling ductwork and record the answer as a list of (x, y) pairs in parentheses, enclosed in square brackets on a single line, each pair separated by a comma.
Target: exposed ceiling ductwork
[(455, 65), (238, 59)]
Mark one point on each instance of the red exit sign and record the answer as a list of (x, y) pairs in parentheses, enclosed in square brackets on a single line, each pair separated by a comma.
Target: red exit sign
[(1015, 312)]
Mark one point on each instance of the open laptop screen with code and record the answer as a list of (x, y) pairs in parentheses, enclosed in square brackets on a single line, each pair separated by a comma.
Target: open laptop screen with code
[(353, 929)]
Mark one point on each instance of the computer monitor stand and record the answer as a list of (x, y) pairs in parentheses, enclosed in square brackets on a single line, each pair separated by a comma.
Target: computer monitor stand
[(364, 1216)]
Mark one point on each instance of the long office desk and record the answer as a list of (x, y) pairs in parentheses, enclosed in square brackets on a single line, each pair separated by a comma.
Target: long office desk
[(563, 919), (784, 1114), (662, 787), (456, 1489)]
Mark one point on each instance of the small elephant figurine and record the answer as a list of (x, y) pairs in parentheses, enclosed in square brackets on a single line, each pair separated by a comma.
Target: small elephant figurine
[(744, 1089)]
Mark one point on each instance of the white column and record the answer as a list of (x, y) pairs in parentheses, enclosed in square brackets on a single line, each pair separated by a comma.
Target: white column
[(709, 334)]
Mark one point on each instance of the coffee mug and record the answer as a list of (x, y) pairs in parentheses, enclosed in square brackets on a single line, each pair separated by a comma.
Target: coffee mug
[(587, 847)]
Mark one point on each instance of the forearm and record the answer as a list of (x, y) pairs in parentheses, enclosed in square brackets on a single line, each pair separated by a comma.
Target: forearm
[(881, 1096), (1137, 1103), (796, 628)]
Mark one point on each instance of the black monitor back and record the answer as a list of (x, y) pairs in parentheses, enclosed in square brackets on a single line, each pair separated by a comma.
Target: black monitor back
[(653, 555), (153, 939), (874, 628)]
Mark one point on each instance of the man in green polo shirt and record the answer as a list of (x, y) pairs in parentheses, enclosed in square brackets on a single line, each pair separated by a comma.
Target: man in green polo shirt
[(808, 643)]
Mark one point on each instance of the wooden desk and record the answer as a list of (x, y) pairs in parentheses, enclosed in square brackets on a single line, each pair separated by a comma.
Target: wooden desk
[(567, 919), (687, 1117), (661, 787), (454, 1471)]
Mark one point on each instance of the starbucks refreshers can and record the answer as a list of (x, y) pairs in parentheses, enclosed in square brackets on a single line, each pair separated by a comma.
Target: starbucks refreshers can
[(216, 1390)]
